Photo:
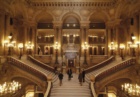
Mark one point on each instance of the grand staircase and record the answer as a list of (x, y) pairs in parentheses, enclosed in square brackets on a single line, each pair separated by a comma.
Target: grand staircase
[(70, 88)]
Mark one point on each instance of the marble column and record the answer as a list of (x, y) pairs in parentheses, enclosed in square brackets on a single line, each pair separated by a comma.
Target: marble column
[(2, 38)]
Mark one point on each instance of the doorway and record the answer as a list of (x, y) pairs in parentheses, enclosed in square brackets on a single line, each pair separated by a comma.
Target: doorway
[(71, 63)]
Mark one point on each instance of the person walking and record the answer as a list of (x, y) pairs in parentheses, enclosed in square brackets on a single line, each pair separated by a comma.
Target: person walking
[(69, 72), (83, 75), (80, 78), (60, 76)]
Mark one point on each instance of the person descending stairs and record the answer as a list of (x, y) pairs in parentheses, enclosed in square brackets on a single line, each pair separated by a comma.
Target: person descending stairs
[(70, 88)]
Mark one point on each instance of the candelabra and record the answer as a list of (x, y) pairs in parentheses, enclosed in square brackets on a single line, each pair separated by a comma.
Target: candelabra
[(10, 43), (20, 46), (85, 47), (29, 47), (131, 89), (112, 48), (122, 47), (9, 87), (56, 46)]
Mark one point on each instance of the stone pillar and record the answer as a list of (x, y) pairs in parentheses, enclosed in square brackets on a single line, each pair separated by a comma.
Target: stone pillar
[(58, 38), (107, 40), (117, 33), (33, 36), (2, 31), (108, 37), (84, 32)]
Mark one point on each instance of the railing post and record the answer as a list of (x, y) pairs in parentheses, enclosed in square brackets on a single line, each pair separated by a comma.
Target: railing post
[(49, 81), (92, 79)]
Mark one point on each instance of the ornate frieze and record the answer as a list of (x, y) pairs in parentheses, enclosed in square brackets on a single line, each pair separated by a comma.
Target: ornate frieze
[(72, 3)]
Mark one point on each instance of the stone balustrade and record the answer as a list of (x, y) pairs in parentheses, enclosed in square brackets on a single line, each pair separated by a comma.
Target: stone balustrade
[(116, 68), (104, 63), (45, 66), (35, 71)]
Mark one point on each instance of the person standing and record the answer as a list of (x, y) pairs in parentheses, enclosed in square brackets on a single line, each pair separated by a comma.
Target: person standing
[(60, 76), (83, 75), (80, 78), (69, 72)]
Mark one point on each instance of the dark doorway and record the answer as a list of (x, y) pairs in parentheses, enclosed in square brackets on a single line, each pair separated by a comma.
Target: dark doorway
[(40, 95), (95, 51), (71, 63)]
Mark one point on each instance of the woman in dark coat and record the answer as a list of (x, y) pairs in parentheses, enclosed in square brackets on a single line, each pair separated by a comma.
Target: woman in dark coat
[(69, 72), (80, 77), (60, 76), (83, 75)]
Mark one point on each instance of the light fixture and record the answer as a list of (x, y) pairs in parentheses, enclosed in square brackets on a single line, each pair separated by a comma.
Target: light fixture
[(20, 46), (131, 89), (29, 47), (10, 43), (85, 47), (10, 36), (9, 87), (56, 47), (133, 37)]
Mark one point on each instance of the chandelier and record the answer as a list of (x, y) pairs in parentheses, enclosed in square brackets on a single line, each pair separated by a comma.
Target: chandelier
[(131, 89), (9, 87)]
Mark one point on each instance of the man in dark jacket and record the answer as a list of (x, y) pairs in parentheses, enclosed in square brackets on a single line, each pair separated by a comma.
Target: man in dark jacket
[(83, 75), (69, 72), (60, 76)]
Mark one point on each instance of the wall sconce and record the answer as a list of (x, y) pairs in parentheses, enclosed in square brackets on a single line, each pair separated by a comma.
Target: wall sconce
[(85, 47), (56, 47), (112, 48), (122, 47), (20, 46), (29, 47), (133, 38), (9, 43)]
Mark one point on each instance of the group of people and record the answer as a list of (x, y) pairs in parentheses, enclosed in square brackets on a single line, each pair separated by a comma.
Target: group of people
[(81, 76)]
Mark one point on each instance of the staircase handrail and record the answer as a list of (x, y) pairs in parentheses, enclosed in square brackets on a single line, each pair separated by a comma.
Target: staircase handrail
[(99, 65), (41, 64), (116, 68), (18, 62), (47, 93), (93, 89)]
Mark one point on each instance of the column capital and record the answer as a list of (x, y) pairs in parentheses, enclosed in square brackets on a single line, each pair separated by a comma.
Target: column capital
[(84, 24)]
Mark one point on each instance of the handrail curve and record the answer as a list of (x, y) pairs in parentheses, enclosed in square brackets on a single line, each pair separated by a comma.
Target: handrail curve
[(93, 89), (41, 64), (16, 62)]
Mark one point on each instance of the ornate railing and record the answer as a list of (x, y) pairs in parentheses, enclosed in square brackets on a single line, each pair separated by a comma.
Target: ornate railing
[(32, 70), (116, 68), (47, 67), (104, 63), (28, 68), (92, 89)]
